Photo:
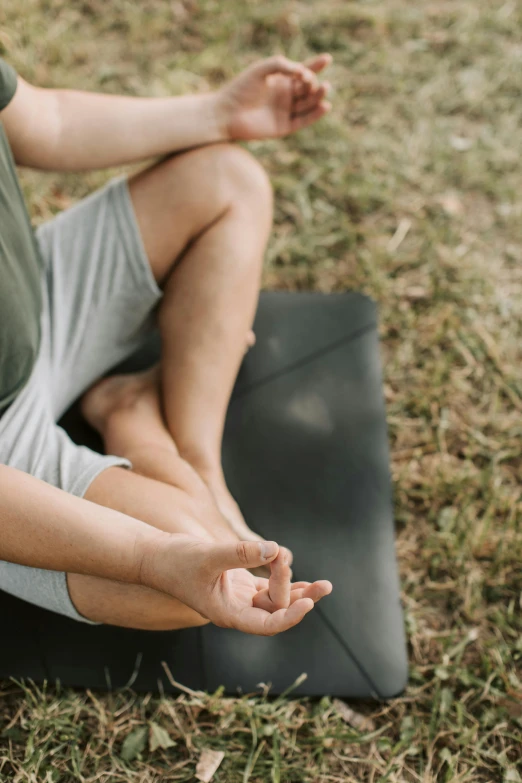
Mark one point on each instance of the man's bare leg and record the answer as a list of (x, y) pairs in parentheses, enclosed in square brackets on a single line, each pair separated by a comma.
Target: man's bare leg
[(205, 218), (125, 409)]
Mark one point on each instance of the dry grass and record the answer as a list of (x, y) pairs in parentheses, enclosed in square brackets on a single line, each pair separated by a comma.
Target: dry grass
[(411, 192)]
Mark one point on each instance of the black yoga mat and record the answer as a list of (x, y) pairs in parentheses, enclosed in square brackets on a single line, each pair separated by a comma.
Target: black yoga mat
[(306, 456)]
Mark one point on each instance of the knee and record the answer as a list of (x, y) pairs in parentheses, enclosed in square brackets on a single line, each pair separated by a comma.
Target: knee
[(240, 179), (245, 173)]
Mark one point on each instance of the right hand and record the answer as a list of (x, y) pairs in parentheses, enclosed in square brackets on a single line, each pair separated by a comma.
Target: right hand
[(272, 98), (213, 580)]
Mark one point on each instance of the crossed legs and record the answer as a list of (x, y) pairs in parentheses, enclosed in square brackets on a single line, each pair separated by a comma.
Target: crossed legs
[(204, 218)]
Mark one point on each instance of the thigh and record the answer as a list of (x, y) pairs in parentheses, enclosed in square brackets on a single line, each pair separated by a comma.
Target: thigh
[(99, 293), (180, 197)]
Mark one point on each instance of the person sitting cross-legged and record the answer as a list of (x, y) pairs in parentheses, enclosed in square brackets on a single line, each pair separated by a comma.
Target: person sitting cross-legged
[(146, 535)]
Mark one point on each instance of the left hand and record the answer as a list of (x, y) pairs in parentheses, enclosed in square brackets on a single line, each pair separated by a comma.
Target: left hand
[(212, 579), (273, 98)]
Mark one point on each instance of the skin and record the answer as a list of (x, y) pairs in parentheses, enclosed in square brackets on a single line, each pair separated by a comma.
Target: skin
[(173, 557)]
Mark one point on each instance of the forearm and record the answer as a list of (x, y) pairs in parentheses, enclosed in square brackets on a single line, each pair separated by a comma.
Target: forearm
[(73, 131), (43, 527), (98, 131)]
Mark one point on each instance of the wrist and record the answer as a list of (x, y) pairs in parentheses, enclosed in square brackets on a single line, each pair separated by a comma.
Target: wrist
[(221, 112), (148, 545)]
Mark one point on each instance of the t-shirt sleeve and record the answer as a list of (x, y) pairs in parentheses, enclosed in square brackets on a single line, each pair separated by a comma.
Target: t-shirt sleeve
[(8, 80)]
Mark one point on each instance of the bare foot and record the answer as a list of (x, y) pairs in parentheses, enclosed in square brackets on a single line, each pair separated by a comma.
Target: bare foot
[(227, 505), (123, 391)]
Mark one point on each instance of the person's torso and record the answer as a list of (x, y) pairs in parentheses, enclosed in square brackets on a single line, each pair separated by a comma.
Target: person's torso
[(20, 293)]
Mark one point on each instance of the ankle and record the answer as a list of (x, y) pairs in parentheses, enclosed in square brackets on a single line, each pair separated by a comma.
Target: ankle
[(204, 462)]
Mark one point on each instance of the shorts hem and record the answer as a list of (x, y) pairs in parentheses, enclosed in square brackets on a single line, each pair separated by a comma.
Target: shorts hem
[(70, 610), (85, 479)]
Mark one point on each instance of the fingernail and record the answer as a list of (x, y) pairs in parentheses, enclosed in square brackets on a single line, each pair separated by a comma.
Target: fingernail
[(268, 549)]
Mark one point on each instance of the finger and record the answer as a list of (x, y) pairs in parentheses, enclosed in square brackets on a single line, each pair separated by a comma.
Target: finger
[(281, 64), (241, 554), (303, 77), (262, 623), (279, 581), (315, 591), (260, 583), (262, 600), (315, 64), (284, 619), (301, 89), (319, 62), (289, 554), (299, 121), (304, 105)]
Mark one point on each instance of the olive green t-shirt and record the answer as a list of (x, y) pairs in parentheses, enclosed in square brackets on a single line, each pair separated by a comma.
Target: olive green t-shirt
[(19, 269)]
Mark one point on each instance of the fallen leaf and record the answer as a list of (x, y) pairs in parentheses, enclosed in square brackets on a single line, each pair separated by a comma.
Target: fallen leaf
[(134, 744), (355, 719), (208, 763), (159, 738)]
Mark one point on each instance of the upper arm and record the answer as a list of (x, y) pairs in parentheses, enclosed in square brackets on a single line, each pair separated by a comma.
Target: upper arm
[(32, 123)]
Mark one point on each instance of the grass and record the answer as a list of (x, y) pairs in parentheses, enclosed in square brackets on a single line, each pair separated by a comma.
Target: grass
[(409, 191)]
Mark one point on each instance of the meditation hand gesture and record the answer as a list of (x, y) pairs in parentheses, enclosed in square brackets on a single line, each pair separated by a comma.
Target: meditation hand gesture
[(272, 98), (212, 579)]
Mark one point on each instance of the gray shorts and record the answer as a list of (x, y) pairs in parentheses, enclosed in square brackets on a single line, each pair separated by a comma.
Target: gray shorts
[(99, 297)]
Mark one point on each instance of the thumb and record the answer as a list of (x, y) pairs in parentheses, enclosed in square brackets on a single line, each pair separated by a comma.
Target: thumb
[(243, 554)]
